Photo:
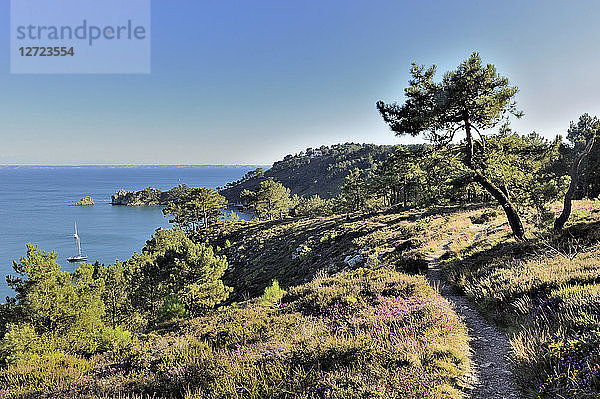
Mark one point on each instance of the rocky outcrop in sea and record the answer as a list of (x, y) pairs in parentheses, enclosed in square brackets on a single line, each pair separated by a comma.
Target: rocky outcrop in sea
[(85, 201)]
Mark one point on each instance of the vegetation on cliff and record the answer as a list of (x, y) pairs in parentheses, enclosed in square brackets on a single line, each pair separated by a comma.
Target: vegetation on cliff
[(369, 329), (149, 196), (318, 171)]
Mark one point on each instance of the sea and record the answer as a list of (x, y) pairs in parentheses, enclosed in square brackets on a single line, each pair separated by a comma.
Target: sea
[(35, 207)]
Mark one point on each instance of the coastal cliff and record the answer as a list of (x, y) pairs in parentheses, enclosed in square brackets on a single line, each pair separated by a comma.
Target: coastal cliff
[(313, 171), (148, 196)]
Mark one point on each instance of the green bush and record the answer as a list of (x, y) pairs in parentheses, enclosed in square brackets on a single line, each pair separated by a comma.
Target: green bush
[(313, 206), (171, 263), (113, 339), (49, 373), (485, 217), (20, 343), (272, 294), (172, 309)]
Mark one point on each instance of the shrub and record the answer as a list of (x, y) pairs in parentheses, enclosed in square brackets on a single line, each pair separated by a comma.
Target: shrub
[(272, 294), (376, 334), (313, 206), (172, 309), (113, 339), (20, 343), (47, 373), (485, 217)]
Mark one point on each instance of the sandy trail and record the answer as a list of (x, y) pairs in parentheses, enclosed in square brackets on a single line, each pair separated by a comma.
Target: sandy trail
[(491, 377)]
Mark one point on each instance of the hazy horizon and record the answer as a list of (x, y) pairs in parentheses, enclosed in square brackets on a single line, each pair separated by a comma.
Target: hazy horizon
[(127, 165), (249, 83)]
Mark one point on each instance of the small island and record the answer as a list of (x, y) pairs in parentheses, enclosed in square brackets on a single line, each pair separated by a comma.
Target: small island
[(85, 201)]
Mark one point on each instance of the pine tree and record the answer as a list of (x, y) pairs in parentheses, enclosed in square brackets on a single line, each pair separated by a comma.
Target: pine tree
[(355, 190), (270, 200), (470, 99), (52, 309), (172, 264), (583, 136), (201, 207)]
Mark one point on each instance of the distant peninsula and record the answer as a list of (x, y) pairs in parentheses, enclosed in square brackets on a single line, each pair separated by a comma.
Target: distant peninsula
[(313, 171)]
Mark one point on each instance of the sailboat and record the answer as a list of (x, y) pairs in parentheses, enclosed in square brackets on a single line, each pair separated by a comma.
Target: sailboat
[(78, 257)]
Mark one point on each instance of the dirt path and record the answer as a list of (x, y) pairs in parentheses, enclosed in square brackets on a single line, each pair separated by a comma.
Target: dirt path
[(491, 377)]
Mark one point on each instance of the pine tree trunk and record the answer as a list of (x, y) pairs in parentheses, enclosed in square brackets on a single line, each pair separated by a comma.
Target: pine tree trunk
[(559, 223), (514, 220)]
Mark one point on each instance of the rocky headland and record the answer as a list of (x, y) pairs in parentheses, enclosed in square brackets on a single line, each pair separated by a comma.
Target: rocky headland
[(149, 196)]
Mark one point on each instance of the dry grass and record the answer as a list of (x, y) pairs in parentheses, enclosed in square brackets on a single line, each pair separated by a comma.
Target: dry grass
[(546, 293)]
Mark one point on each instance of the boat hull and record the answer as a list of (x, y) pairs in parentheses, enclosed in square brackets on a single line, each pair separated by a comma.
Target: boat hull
[(74, 259)]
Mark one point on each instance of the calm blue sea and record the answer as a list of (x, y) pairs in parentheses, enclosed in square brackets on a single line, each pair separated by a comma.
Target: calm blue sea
[(34, 207)]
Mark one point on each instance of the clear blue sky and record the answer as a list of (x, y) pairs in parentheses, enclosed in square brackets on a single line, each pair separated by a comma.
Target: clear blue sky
[(247, 82)]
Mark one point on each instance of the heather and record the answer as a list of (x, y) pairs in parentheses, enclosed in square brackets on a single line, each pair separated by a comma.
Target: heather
[(375, 334), (546, 294), (322, 307)]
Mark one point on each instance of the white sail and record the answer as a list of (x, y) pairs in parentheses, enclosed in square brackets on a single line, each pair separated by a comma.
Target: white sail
[(78, 257), (76, 236)]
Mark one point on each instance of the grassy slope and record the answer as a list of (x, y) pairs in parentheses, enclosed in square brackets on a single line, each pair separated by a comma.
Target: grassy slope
[(293, 250), (545, 292), (376, 332), (373, 333)]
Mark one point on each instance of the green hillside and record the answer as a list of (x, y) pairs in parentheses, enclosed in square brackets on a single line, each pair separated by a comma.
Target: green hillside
[(313, 171)]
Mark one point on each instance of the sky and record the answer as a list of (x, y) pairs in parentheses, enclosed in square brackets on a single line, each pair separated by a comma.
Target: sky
[(247, 82)]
